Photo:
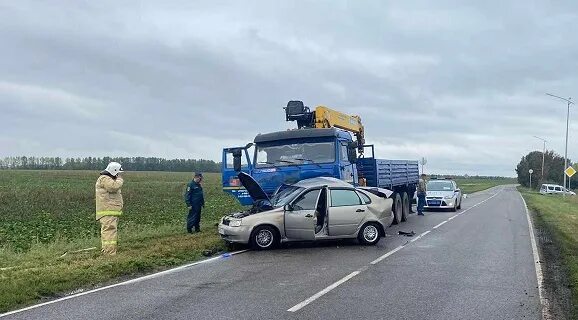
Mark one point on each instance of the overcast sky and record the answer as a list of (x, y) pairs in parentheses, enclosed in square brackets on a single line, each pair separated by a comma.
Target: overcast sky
[(462, 85)]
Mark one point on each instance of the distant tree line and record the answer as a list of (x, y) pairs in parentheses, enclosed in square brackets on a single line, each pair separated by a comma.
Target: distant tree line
[(94, 163), (553, 169)]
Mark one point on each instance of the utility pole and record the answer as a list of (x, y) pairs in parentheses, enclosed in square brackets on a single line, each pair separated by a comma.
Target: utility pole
[(530, 171), (569, 102), (423, 162), (543, 155)]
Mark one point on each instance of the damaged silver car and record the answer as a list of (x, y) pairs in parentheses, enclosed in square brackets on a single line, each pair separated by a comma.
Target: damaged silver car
[(313, 209)]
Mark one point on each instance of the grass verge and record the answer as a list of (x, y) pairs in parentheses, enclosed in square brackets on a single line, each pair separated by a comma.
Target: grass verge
[(559, 217)]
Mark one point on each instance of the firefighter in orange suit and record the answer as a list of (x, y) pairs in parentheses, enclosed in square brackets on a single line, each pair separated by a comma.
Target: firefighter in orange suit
[(109, 206)]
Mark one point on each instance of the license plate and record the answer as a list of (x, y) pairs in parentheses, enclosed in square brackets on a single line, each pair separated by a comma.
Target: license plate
[(434, 203)]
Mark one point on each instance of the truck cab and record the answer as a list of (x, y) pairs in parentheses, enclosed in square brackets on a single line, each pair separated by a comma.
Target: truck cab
[(286, 157)]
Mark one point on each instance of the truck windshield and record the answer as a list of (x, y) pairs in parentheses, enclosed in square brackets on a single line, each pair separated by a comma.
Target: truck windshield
[(295, 154), (440, 186), (285, 195)]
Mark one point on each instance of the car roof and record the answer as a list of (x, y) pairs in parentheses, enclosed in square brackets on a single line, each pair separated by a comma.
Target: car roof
[(551, 185), (323, 181), (436, 180)]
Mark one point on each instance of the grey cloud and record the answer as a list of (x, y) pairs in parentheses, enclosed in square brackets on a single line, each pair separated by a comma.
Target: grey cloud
[(460, 84)]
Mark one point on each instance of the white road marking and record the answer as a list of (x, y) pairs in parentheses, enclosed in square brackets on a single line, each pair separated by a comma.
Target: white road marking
[(539, 275), (415, 239), (386, 255), (440, 224), (150, 276), (321, 293), (452, 217)]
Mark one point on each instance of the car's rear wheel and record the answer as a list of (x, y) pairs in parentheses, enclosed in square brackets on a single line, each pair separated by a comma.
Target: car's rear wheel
[(264, 238), (405, 206), (397, 208), (369, 234)]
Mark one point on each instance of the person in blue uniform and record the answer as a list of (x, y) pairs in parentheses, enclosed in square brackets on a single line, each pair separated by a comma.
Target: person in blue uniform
[(195, 201)]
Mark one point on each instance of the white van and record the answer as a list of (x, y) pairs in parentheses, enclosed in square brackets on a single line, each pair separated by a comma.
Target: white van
[(555, 189)]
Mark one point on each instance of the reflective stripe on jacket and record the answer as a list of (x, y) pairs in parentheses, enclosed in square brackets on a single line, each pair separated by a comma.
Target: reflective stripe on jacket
[(108, 196)]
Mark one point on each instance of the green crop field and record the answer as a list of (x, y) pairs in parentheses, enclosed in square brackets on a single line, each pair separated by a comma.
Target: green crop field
[(45, 216), (470, 185)]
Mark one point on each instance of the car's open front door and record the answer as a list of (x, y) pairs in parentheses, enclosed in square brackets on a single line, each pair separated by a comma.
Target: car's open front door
[(300, 219)]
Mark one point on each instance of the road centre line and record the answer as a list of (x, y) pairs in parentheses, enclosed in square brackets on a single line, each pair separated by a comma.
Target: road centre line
[(150, 276), (440, 224), (387, 254), (321, 293)]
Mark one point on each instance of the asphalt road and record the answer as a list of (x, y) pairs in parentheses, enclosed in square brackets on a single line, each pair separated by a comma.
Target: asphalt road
[(478, 265)]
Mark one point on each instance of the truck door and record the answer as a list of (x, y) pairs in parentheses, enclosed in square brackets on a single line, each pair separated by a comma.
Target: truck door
[(346, 168), (230, 180), (300, 221)]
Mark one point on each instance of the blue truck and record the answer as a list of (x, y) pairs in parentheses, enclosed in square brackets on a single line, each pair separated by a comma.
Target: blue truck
[(322, 145)]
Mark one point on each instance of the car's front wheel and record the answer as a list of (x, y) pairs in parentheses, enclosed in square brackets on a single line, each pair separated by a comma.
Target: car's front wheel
[(369, 234), (264, 238)]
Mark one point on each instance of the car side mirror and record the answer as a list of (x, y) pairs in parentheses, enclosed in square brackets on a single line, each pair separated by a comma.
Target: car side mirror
[(288, 207), (458, 190)]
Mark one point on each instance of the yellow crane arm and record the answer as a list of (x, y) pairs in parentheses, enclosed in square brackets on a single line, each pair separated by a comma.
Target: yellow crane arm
[(329, 118)]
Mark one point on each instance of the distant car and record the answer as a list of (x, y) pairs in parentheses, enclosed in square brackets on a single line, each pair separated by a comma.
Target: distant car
[(312, 209), (555, 189), (443, 194)]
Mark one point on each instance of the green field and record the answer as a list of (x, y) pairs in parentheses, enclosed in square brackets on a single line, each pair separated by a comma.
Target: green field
[(45, 214), (471, 185), (46, 217), (560, 217)]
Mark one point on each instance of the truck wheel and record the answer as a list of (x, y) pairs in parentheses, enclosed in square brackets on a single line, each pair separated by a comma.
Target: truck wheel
[(405, 208), (369, 234), (397, 208), (264, 238)]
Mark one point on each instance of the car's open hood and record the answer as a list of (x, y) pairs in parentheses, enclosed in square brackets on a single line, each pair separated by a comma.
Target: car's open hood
[(253, 188)]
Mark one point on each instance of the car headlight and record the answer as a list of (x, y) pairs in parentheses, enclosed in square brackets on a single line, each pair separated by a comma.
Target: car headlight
[(449, 197), (235, 223)]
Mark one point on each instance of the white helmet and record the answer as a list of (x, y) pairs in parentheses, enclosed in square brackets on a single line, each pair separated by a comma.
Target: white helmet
[(114, 168)]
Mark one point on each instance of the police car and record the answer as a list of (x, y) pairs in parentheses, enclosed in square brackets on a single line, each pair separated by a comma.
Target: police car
[(443, 194)]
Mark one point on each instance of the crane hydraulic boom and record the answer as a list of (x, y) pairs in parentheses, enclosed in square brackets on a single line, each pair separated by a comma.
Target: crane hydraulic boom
[(324, 117)]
